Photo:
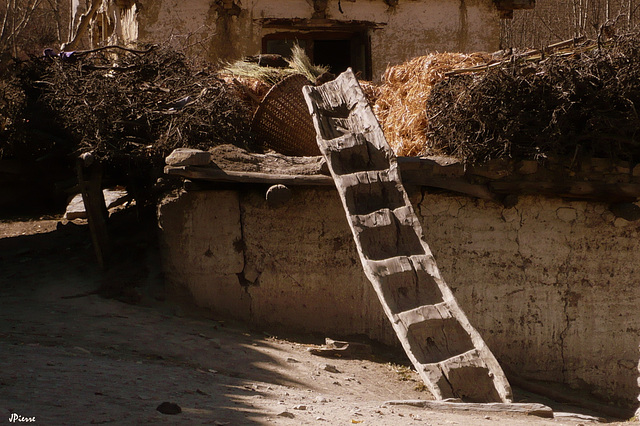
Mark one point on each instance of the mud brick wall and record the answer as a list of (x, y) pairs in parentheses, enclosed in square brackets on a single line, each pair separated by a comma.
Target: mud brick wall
[(551, 285)]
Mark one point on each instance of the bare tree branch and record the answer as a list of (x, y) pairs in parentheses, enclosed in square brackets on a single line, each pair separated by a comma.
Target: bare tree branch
[(17, 15), (564, 19), (54, 6)]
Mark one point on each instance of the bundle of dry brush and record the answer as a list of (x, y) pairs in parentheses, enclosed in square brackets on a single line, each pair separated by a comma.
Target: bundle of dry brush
[(136, 107), (585, 102), (133, 106)]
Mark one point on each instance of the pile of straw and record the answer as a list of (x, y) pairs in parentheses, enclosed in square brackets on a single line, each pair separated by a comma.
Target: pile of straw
[(401, 99)]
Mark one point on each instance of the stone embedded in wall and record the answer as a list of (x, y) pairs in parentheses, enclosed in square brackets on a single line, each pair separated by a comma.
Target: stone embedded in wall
[(627, 211), (188, 157), (599, 208), (510, 215), (278, 195), (622, 167), (620, 222), (527, 167), (566, 214), (601, 165)]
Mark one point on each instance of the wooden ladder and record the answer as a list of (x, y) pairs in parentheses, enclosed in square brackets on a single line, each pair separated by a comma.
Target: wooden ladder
[(448, 353)]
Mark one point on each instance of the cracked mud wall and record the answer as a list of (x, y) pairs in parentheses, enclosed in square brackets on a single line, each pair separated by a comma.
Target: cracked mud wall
[(228, 30), (202, 250), (292, 268), (552, 286), (306, 267)]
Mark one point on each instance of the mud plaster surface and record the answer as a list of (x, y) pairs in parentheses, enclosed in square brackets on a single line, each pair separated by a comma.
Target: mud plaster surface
[(94, 360)]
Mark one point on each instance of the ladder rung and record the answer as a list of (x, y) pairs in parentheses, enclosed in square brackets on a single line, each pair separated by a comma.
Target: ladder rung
[(470, 358), (346, 141), (438, 311), (364, 178), (376, 219), (403, 214), (400, 264)]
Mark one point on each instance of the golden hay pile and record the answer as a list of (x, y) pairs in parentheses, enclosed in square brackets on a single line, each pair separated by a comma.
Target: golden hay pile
[(371, 91), (401, 99)]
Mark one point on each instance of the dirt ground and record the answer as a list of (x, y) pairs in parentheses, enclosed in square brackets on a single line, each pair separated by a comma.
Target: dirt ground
[(69, 355)]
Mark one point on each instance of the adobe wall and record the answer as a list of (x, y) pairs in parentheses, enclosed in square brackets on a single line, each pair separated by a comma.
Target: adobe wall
[(410, 29), (551, 285)]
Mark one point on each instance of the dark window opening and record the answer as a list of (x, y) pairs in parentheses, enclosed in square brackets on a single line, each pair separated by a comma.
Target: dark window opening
[(337, 50), (334, 53)]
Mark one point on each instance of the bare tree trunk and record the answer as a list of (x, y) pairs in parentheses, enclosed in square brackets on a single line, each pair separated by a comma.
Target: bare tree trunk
[(557, 20), (83, 26), (55, 5)]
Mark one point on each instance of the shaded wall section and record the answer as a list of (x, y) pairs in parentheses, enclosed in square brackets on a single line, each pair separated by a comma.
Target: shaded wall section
[(294, 267), (552, 286)]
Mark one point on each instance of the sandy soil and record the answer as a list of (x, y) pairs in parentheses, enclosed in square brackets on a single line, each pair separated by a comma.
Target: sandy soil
[(71, 356)]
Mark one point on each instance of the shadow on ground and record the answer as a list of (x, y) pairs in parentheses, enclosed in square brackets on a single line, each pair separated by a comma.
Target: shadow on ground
[(71, 356)]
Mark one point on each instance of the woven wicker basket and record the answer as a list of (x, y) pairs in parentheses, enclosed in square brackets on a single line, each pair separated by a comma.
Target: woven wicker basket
[(282, 121)]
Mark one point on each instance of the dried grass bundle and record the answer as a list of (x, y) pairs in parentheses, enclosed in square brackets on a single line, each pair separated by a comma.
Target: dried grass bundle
[(299, 63), (401, 101), (254, 71)]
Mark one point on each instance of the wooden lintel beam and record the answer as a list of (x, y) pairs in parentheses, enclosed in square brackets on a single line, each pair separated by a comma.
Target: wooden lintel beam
[(219, 175), (431, 174), (318, 24)]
